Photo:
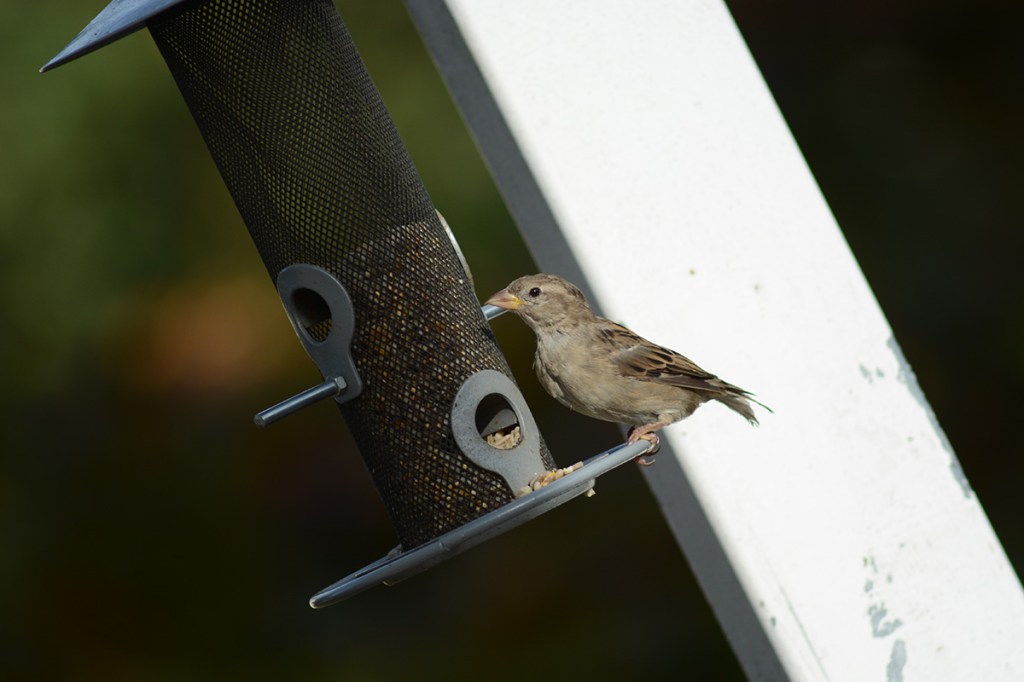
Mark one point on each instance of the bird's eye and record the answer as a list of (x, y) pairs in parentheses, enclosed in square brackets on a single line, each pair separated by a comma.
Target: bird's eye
[(535, 292)]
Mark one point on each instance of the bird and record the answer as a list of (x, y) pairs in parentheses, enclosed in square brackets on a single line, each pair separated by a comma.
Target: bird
[(605, 371)]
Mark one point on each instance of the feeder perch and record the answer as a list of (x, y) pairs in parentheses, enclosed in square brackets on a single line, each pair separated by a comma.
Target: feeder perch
[(369, 275)]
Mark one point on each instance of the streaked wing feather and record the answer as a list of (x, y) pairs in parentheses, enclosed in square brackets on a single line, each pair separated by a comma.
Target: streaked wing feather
[(641, 359)]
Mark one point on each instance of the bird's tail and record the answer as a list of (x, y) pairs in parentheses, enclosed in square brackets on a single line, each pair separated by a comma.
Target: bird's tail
[(740, 403)]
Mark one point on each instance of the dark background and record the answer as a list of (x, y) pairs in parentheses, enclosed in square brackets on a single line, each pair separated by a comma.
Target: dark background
[(150, 531)]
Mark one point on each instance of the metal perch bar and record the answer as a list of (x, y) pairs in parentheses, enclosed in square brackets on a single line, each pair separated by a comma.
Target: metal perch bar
[(492, 311), (328, 389), (398, 566)]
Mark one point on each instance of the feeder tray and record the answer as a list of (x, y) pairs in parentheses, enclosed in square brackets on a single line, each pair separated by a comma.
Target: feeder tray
[(399, 565)]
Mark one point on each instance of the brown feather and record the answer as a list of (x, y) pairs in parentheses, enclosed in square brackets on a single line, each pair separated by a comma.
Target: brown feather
[(606, 371)]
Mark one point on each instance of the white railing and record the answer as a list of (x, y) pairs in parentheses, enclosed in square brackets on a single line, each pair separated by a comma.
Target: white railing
[(642, 155)]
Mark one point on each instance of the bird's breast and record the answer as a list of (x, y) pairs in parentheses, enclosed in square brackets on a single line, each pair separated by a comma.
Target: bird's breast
[(579, 377)]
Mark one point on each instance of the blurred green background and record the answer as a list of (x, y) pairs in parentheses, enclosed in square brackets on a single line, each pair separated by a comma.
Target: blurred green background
[(150, 531)]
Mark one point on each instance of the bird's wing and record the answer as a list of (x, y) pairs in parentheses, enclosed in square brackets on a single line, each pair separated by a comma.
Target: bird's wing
[(638, 358)]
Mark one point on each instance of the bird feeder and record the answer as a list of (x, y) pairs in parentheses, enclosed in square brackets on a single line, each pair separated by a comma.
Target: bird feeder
[(368, 273)]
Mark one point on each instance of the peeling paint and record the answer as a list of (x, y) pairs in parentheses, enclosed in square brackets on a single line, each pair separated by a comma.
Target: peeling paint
[(897, 659), (906, 376), (870, 376), (866, 373), (879, 626)]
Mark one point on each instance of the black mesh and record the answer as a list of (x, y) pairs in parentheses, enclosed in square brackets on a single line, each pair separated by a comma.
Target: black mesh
[(320, 176)]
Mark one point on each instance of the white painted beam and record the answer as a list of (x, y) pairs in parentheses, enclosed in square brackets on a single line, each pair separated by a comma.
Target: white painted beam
[(640, 151)]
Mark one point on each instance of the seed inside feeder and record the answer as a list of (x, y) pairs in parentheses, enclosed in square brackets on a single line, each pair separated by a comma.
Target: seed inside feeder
[(498, 423), (505, 438)]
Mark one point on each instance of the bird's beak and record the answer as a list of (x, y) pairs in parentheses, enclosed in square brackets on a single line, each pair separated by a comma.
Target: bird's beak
[(503, 299)]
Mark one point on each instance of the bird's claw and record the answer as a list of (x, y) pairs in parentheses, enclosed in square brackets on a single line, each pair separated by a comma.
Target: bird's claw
[(655, 446)]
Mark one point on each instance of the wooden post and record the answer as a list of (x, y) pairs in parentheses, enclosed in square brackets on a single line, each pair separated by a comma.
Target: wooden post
[(642, 155)]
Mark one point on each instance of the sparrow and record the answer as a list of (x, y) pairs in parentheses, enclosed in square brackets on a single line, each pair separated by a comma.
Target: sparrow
[(603, 370)]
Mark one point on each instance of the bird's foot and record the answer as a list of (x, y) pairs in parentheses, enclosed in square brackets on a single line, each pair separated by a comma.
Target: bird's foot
[(636, 434)]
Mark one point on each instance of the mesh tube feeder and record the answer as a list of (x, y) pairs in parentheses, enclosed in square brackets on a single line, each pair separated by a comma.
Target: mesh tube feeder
[(361, 260)]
